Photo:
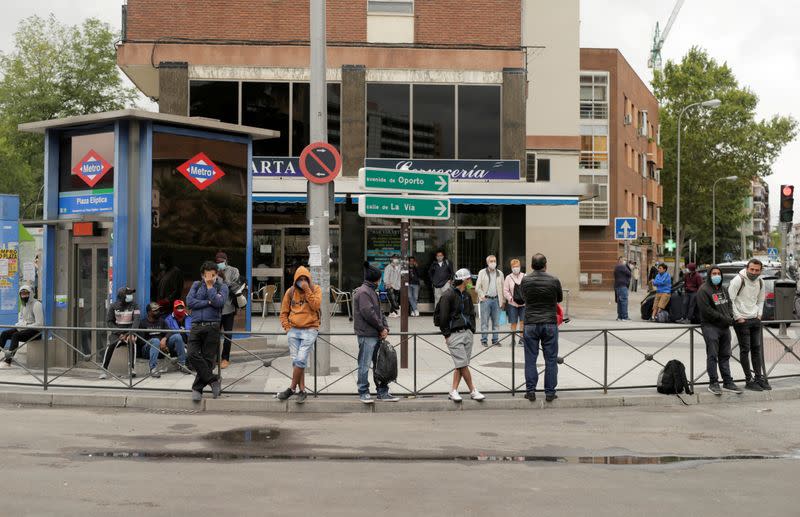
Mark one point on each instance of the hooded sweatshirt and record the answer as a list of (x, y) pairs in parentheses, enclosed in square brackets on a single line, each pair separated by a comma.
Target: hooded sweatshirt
[(714, 304), (121, 314), (300, 308), (747, 296), (30, 313)]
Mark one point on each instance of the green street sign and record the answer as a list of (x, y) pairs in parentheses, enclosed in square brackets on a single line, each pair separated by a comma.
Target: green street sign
[(670, 245), (396, 180), (402, 207)]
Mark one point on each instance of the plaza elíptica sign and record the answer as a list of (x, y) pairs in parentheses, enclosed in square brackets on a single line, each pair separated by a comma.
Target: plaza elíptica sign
[(394, 180), (403, 207)]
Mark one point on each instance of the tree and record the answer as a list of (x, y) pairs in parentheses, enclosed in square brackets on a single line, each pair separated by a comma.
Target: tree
[(715, 143), (54, 71)]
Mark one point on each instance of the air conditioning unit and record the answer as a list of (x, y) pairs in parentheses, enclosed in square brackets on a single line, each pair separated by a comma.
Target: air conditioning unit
[(643, 131), (628, 120)]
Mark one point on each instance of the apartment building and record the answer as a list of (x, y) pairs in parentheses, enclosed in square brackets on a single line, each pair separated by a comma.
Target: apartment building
[(760, 217)]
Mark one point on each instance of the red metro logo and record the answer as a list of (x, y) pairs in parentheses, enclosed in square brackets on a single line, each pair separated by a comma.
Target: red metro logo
[(91, 168), (201, 171)]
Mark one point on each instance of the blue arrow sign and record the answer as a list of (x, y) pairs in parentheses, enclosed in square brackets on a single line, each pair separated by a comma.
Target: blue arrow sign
[(772, 253), (625, 228), (728, 257)]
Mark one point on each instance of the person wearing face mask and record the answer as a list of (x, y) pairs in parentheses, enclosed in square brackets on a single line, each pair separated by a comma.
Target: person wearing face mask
[(229, 275), (622, 279), (413, 286), (370, 327), (391, 281), (440, 273), (178, 319), (515, 299), (122, 315), (30, 317), (300, 319), (747, 292), (716, 318), (490, 296)]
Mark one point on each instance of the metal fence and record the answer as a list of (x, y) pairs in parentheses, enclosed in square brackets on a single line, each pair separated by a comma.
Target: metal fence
[(598, 359)]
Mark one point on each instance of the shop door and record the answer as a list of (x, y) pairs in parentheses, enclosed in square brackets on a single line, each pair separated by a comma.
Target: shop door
[(91, 295)]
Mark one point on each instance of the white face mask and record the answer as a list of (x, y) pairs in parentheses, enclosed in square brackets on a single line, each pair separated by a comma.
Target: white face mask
[(492, 265), (129, 298), (515, 270), (396, 261)]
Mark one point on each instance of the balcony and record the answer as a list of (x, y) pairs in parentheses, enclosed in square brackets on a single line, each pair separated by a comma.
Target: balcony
[(594, 110)]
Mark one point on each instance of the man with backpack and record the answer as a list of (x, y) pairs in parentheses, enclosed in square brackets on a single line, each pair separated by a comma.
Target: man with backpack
[(515, 300), (716, 318), (455, 317), (747, 293), (300, 319)]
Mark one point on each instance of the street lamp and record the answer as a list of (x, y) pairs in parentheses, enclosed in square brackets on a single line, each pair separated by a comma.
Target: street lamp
[(711, 103), (714, 216)]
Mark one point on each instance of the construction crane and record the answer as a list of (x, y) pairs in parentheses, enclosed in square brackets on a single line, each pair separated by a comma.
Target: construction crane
[(659, 37)]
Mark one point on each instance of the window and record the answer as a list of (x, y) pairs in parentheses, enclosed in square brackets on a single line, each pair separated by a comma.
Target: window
[(214, 99), (594, 147), (388, 134), (434, 121), (594, 96), (479, 125), (390, 6), (301, 117), (266, 105), (543, 170)]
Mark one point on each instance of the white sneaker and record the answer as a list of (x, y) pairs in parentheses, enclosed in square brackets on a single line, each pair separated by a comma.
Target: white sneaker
[(477, 395), (394, 315), (4, 364), (416, 313), (454, 396), (103, 376)]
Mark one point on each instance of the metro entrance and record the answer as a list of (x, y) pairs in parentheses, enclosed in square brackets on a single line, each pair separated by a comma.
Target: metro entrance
[(91, 292)]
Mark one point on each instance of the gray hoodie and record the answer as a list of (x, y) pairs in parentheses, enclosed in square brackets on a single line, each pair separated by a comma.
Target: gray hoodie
[(747, 296), (30, 313)]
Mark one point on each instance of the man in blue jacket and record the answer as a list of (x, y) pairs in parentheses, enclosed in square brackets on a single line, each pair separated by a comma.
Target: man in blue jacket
[(663, 284), (206, 299), (176, 343)]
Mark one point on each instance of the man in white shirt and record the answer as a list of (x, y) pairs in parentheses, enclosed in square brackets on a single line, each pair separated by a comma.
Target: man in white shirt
[(747, 294), (391, 281), (490, 295)]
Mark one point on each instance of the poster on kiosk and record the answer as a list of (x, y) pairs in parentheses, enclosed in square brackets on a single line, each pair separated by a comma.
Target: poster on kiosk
[(9, 258)]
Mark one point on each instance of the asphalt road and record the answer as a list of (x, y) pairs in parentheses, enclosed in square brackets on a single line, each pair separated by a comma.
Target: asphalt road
[(79, 462)]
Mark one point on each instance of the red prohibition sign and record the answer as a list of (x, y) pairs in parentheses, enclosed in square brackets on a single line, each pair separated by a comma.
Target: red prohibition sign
[(320, 162)]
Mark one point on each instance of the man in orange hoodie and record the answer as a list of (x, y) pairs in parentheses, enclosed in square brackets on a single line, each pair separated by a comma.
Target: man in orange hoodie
[(300, 319)]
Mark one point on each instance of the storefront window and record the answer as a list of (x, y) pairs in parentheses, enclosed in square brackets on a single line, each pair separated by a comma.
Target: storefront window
[(434, 121), (388, 121), (215, 99), (335, 114), (301, 120), (425, 242), (266, 105), (479, 215), (474, 245), (479, 122)]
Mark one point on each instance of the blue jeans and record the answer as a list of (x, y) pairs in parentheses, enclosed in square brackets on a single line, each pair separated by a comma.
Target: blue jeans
[(152, 351), (301, 343), (622, 302), (367, 348), (413, 296), (490, 308), (176, 345), (547, 335)]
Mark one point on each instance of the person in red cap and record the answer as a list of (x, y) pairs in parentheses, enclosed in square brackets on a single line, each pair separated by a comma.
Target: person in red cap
[(178, 319), (229, 275), (692, 282)]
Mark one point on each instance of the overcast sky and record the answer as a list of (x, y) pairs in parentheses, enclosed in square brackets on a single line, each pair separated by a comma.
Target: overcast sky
[(759, 40)]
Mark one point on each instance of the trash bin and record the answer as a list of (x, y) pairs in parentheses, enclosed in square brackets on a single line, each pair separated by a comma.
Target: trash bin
[(784, 299)]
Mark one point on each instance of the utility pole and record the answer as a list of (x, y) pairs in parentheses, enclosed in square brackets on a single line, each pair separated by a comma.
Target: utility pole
[(318, 198), (404, 305)]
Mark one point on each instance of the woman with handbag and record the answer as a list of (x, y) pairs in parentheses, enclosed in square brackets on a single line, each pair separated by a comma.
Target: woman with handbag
[(512, 290)]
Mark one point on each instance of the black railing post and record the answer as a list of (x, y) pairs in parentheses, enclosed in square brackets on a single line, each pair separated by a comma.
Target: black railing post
[(605, 362), (44, 377), (691, 358), (316, 367), (514, 363), (415, 364)]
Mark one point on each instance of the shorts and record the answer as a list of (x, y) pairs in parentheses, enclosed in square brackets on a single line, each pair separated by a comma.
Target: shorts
[(301, 343), (661, 301), (515, 314), (460, 345)]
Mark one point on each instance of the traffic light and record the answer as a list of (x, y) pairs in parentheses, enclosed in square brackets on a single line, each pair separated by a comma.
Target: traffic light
[(787, 204)]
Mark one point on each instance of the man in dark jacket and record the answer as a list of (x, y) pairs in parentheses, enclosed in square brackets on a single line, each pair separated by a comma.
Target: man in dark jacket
[(457, 324), (123, 314), (691, 284), (542, 293), (440, 274), (622, 279), (370, 327), (152, 338), (716, 317), (206, 299)]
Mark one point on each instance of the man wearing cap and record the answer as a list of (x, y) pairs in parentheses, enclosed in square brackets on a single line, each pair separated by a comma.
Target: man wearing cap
[(229, 275), (456, 320), (178, 319), (30, 317), (370, 327), (206, 299), (123, 315)]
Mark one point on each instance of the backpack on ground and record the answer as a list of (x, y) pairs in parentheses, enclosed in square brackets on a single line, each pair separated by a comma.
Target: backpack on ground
[(672, 379), (662, 317), (517, 295), (385, 363)]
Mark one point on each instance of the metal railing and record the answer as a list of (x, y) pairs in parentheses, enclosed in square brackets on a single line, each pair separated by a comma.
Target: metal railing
[(589, 359)]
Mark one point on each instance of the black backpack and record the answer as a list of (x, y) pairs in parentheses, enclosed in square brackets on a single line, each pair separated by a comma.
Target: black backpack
[(385, 363), (672, 379), (517, 295)]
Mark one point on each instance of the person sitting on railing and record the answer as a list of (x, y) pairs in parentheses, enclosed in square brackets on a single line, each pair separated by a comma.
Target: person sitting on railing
[(154, 336), (178, 319), (123, 314), (663, 286), (30, 317)]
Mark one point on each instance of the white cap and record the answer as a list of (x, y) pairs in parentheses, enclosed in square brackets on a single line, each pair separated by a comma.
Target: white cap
[(463, 274)]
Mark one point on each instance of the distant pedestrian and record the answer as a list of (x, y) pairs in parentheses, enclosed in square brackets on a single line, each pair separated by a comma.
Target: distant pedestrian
[(169, 283), (413, 286), (122, 316), (716, 318), (515, 299), (542, 295), (206, 300), (622, 279), (391, 281), (692, 282), (663, 286), (637, 275), (747, 292), (489, 288), (651, 275), (229, 275), (440, 274), (457, 324), (370, 327), (30, 317), (300, 319)]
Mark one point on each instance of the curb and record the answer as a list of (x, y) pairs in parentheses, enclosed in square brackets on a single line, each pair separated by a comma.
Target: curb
[(268, 404)]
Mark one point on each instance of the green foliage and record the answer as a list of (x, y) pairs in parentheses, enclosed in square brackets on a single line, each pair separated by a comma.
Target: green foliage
[(54, 71), (715, 143)]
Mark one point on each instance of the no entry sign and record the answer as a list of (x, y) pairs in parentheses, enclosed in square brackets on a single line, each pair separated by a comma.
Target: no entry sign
[(320, 162)]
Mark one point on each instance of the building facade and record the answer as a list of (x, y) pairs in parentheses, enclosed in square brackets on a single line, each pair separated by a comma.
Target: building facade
[(497, 109), (620, 154), (760, 217)]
